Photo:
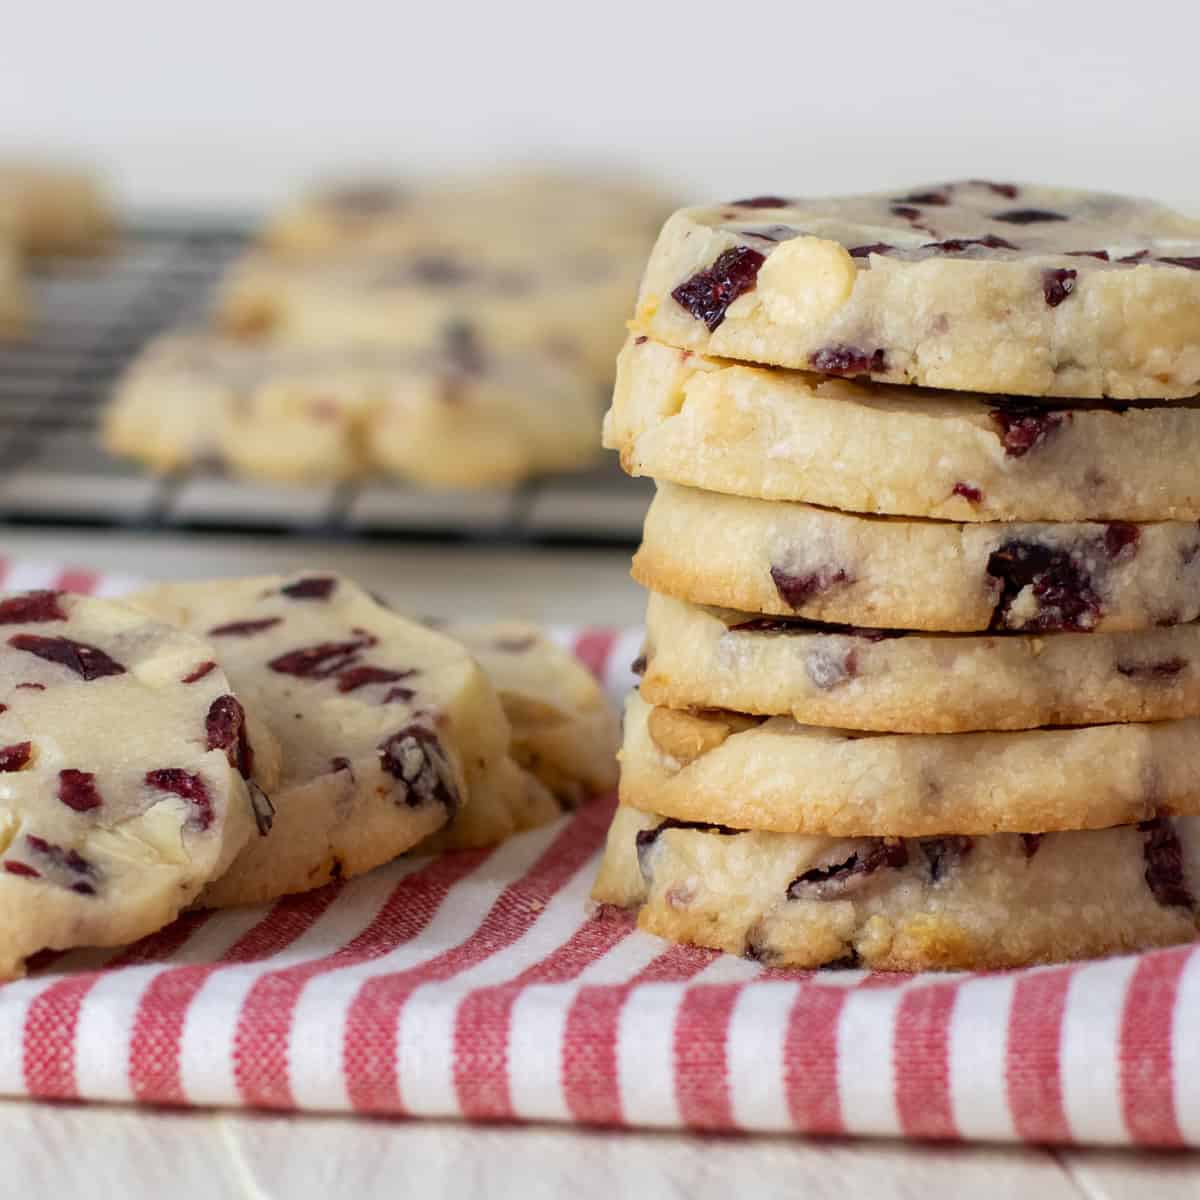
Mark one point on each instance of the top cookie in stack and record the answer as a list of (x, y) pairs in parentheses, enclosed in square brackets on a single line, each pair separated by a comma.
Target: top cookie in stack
[(920, 675)]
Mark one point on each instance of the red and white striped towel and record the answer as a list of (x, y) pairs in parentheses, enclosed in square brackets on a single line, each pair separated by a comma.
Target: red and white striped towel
[(480, 985)]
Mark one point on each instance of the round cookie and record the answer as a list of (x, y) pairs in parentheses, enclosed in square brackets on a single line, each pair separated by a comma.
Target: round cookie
[(499, 216), (563, 729), (896, 682), (386, 727), (572, 305), (14, 295), (789, 559), (777, 775), (1008, 900), (972, 286), (54, 210), (451, 415), (871, 448), (125, 766)]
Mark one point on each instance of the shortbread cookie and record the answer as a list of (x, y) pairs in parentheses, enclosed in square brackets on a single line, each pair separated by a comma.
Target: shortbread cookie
[(871, 448), (386, 727), (891, 681), (571, 305), (764, 556), (944, 902), (501, 217), (54, 210), (975, 286), (774, 774), (451, 415), (563, 729), (125, 767), (14, 295)]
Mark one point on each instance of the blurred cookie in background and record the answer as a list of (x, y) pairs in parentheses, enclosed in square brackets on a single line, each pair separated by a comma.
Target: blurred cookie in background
[(48, 210), (14, 295)]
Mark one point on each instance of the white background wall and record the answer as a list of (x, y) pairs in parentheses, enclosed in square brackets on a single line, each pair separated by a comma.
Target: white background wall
[(229, 102)]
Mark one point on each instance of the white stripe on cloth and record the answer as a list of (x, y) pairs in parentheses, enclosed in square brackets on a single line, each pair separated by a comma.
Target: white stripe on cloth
[(866, 1072), (978, 1058), (757, 1034), (646, 1054)]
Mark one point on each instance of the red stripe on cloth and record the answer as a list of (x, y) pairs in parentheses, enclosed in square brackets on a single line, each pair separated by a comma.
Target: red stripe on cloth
[(1147, 1071), (372, 1075), (71, 580), (156, 1041), (810, 1059), (593, 648), (702, 1056), (921, 1054), (1033, 1068), (48, 1043), (589, 1054), (483, 1022), (265, 1023)]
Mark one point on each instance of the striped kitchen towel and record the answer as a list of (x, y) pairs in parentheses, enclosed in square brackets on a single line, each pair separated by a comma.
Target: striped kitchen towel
[(481, 985)]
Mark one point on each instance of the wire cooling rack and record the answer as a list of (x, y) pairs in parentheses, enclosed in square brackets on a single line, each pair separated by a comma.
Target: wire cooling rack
[(94, 316)]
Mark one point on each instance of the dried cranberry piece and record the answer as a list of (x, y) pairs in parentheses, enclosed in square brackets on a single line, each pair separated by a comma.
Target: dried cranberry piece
[(1191, 262), (78, 791), (88, 662), (645, 838), (1007, 190), (415, 757), (829, 667), (968, 491), (640, 340), (23, 869), (848, 360), (1064, 590), (935, 198), (1121, 540), (321, 661), (339, 764), (708, 294), (353, 678), (1030, 843), (760, 202), (226, 729), (1022, 429), (944, 852), (797, 589), (905, 210), (1163, 854), (1102, 255), (639, 665), (67, 859), (189, 787), (261, 807), (399, 695), (31, 608), (199, 672), (1058, 284), (1137, 257), (957, 245), (1166, 668), (873, 248), (836, 879), (313, 588), (1028, 216), (244, 628), (16, 756), (31, 687)]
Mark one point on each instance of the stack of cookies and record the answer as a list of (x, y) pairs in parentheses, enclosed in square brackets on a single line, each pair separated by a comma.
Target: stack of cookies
[(456, 336), (922, 666), (231, 742)]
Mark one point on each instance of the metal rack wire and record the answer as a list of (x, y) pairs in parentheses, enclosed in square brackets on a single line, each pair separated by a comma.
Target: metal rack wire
[(93, 317)]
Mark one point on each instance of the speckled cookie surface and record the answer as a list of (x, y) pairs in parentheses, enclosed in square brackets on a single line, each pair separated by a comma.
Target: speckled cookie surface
[(51, 209), (451, 415), (387, 727), (571, 305), (891, 681), (125, 762), (777, 775), (974, 285), (791, 559), (989, 902), (871, 448)]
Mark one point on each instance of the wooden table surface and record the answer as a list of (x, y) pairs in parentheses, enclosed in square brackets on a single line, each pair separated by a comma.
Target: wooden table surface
[(97, 1151)]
